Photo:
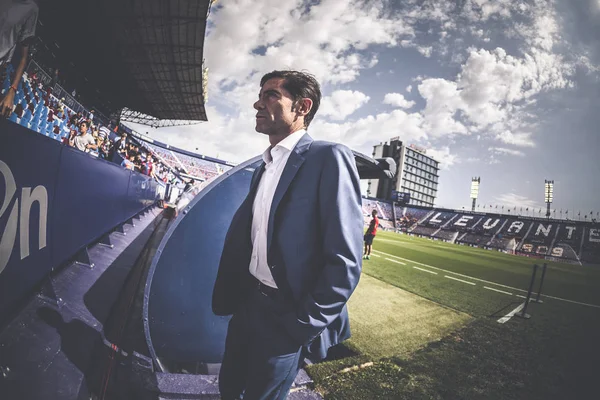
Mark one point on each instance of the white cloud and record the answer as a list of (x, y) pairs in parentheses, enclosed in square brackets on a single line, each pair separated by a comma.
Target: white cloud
[(397, 100), (333, 40), (493, 83), (491, 94), (425, 50), (504, 150), (485, 9), (443, 102), (443, 155), (337, 40), (516, 200), (517, 139), (342, 103), (328, 39), (365, 132)]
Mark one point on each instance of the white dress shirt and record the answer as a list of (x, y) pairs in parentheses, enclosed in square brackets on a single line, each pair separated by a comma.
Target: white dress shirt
[(275, 159)]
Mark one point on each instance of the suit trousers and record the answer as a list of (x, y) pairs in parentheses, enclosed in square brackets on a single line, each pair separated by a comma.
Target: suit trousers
[(261, 359)]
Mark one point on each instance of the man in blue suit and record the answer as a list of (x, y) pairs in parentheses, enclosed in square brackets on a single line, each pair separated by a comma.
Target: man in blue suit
[(292, 255)]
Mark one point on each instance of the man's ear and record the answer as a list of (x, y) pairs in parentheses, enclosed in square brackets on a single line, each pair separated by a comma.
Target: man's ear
[(303, 106)]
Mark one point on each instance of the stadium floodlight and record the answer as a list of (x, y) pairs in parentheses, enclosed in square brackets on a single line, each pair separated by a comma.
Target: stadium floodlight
[(474, 190), (548, 195)]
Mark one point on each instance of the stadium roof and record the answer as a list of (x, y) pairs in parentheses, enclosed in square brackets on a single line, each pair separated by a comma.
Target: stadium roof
[(145, 55)]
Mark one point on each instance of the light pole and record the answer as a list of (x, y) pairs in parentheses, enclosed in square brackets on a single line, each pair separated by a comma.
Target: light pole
[(548, 195), (474, 190)]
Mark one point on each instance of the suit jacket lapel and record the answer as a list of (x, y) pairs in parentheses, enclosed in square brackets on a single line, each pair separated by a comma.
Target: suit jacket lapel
[(287, 176)]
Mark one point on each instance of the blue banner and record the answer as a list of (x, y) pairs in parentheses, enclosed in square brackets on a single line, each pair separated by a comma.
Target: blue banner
[(54, 201)]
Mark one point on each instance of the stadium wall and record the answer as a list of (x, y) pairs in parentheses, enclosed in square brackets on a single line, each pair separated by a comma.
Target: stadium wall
[(54, 201)]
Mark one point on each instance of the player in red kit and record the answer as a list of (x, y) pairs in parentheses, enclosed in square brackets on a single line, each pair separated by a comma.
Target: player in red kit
[(370, 235)]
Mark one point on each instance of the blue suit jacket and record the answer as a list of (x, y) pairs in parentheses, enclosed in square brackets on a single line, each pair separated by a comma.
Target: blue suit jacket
[(314, 245)]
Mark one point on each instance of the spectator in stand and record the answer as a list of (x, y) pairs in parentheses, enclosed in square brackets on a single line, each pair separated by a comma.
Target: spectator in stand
[(128, 163), (137, 162), (189, 185), (80, 118), (119, 147), (103, 147), (34, 78), (91, 117), (85, 142), (133, 150), (73, 119), (370, 235), (71, 139), (104, 131), (95, 132), (18, 20), (60, 108), (148, 167)]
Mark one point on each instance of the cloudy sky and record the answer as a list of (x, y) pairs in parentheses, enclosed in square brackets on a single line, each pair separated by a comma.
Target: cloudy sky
[(508, 90)]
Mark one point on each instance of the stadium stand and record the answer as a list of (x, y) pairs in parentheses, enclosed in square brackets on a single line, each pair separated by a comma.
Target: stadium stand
[(510, 234), (433, 224), (383, 208), (590, 251), (552, 239), (482, 232), (38, 109), (538, 240), (568, 241), (406, 217), (459, 225)]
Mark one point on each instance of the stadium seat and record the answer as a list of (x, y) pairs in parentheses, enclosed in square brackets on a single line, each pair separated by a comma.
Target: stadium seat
[(25, 120), (41, 127)]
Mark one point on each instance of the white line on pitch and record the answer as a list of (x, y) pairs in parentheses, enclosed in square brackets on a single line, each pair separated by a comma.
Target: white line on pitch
[(491, 283), (460, 280), (523, 297), (499, 291), (375, 255), (510, 314), (396, 261), (425, 270)]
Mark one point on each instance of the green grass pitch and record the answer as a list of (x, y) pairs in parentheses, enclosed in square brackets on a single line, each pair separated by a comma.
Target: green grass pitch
[(425, 326)]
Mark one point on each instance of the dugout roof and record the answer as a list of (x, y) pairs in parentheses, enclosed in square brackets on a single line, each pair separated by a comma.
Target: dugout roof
[(145, 55)]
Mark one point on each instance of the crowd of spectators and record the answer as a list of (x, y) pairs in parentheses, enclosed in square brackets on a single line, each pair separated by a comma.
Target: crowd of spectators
[(36, 108), (407, 217)]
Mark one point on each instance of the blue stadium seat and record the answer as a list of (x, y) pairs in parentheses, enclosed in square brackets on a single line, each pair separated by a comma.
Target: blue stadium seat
[(25, 120), (13, 117), (41, 126), (49, 128)]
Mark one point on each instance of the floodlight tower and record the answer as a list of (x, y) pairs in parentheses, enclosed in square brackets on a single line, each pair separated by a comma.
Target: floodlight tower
[(548, 195), (474, 191)]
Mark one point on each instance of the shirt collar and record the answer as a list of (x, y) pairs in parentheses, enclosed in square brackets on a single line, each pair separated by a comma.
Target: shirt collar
[(288, 144)]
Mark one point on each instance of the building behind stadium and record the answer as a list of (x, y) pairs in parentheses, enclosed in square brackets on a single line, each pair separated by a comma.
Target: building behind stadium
[(417, 175)]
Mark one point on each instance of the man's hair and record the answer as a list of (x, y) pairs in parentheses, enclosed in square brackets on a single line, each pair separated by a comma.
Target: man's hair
[(374, 212), (300, 85), (84, 123)]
